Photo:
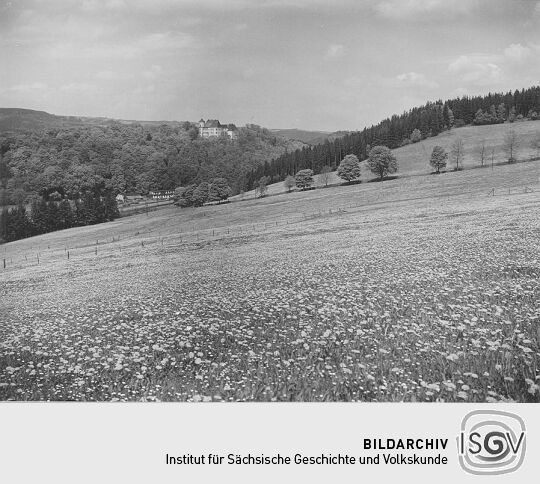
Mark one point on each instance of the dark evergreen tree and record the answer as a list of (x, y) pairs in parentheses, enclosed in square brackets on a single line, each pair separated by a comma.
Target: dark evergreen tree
[(40, 218), (15, 224), (110, 207), (66, 215)]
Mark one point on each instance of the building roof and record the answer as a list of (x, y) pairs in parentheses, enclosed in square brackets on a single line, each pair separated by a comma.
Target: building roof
[(214, 123)]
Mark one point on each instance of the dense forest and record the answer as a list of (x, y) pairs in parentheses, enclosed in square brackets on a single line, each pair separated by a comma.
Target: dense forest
[(67, 162), (411, 126), (48, 216)]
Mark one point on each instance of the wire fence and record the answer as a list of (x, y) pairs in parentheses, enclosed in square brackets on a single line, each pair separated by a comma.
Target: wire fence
[(189, 234)]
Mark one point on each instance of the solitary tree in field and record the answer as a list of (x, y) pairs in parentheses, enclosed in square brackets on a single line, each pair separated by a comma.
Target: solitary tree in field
[(438, 158), (457, 151), (289, 183), (416, 136), (382, 161), (349, 168), (481, 150), (304, 179), (262, 186), (511, 144), (326, 174)]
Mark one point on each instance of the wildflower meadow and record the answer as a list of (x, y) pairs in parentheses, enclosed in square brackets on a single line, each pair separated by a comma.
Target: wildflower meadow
[(418, 299)]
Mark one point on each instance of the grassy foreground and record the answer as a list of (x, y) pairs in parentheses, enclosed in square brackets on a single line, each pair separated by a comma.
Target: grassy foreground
[(421, 289)]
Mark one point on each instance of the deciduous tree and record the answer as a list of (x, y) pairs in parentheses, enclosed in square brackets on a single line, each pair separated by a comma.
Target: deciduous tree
[(416, 136), (304, 179), (382, 161), (481, 150), (511, 144), (219, 190), (438, 158), (326, 175), (349, 168), (289, 183), (457, 152), (262, 186), (200, 194)]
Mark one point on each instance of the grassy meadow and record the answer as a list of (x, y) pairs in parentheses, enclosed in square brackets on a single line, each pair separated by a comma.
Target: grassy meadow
[(413, 159), (424, 288)]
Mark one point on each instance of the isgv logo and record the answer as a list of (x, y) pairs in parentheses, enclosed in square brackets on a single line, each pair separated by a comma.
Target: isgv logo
[(491, 442)]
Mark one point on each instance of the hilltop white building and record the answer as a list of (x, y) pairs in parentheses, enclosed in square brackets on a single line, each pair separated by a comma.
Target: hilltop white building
[(213, 128)]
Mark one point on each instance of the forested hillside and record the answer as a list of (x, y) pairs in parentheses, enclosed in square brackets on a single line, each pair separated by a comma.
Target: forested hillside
[(410, 127), (68, 160), (44, 155)]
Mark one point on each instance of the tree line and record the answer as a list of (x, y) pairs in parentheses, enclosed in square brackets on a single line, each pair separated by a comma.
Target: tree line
[(410, 127), (56, 214), (383, 162)]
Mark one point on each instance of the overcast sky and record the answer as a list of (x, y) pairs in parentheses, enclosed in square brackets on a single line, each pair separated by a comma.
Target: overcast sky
[(312, 64)]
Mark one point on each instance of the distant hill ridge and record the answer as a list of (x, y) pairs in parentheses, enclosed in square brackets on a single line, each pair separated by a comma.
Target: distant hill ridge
[(309, 137), (21, 119)]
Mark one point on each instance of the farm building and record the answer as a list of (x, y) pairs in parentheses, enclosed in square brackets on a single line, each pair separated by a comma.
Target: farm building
[(162, 195), (133, 197)]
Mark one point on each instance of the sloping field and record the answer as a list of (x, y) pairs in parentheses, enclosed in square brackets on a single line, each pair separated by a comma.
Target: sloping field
[(414, 159), (419, 289)]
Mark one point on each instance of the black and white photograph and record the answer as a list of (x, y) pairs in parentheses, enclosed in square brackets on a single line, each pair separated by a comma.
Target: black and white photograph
[(270, 201)]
